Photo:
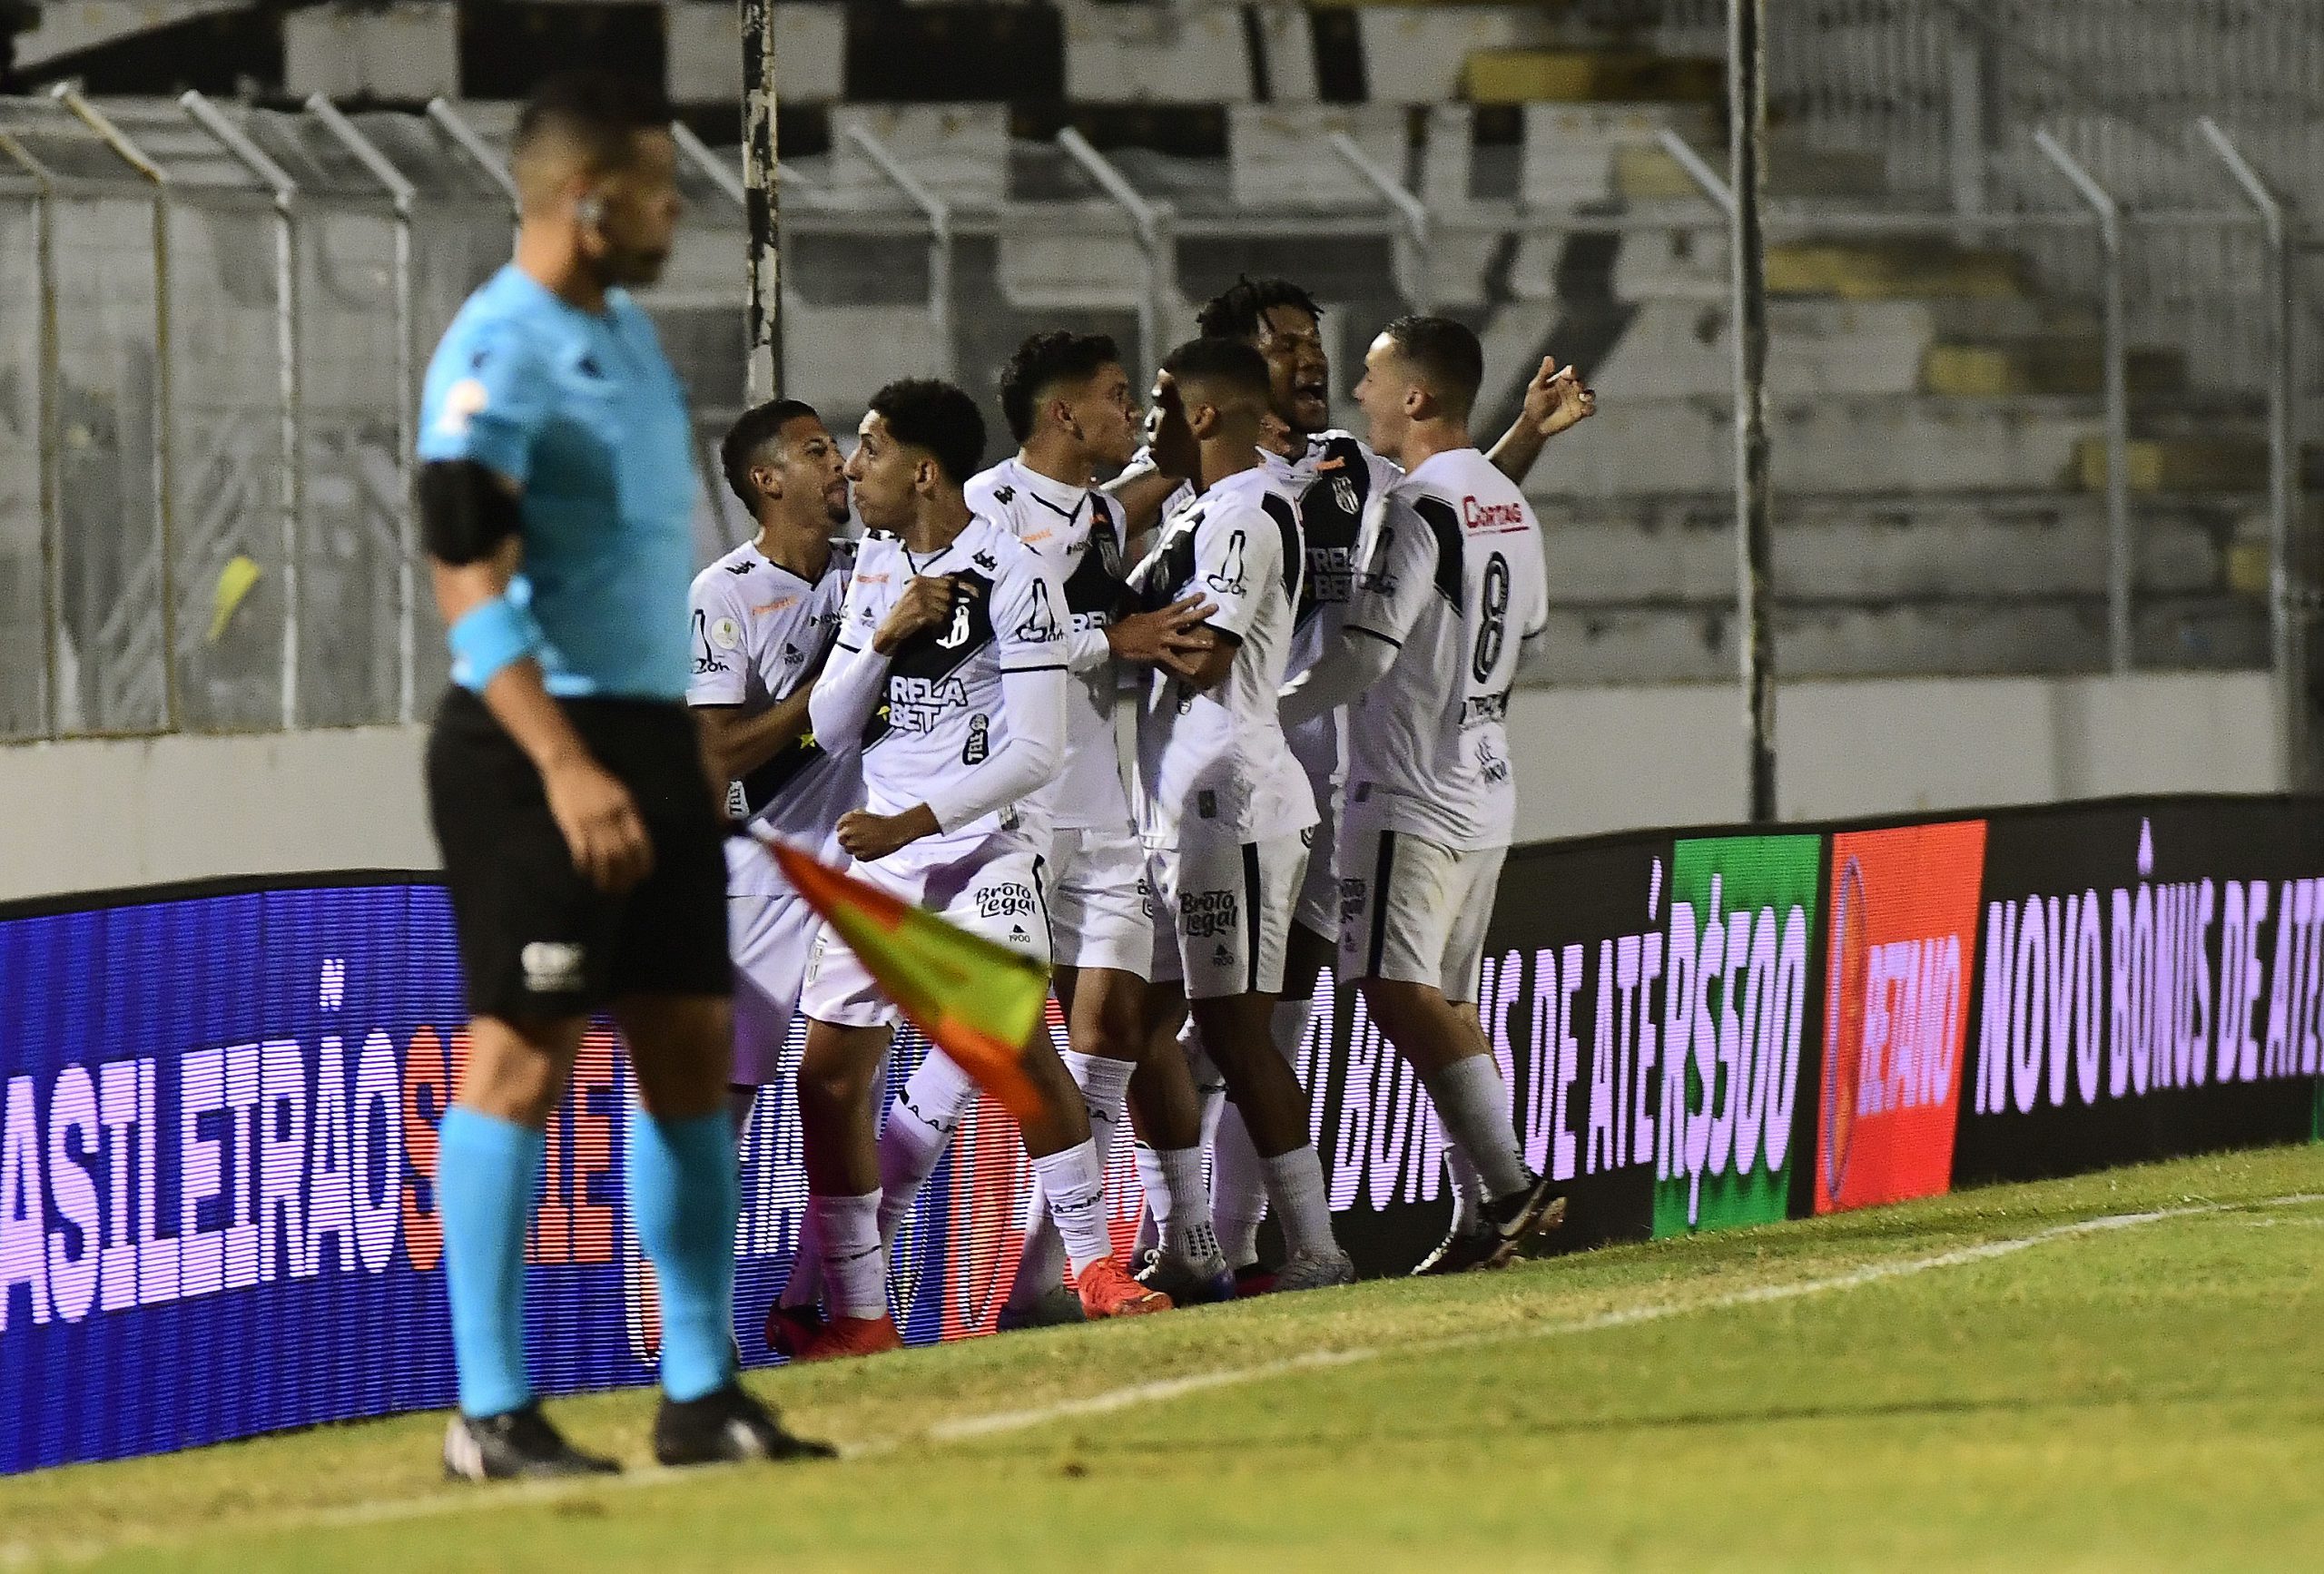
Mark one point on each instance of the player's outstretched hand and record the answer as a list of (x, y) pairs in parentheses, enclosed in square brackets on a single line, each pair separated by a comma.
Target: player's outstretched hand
[(1172, 637), (926, 602), (602, 827), (1556, 400), (869, 838)]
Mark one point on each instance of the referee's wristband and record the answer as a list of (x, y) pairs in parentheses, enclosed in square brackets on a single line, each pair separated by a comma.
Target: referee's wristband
[(490, 636)]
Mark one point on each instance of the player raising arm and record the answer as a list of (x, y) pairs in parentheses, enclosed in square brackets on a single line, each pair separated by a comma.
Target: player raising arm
[(1452, 595), (580, 836)]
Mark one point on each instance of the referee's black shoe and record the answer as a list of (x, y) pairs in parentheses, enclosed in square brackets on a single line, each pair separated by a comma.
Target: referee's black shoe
[(514, 1443), (727, 1427)]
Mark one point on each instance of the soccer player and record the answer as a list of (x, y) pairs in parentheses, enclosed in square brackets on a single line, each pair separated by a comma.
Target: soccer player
[(765, 616), (580, 834), (1067, 397), (1336, 476), (1451, 600), (1225, 806), (951, 670)]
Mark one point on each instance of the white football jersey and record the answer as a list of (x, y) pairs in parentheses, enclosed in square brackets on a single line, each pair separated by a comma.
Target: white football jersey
[(1455, 582), (1216, 763), (760, 635), (1334, 480), (1078, 532), (940, 714)]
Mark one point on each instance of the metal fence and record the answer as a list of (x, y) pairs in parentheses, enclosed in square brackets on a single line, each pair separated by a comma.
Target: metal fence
[(212, 320)]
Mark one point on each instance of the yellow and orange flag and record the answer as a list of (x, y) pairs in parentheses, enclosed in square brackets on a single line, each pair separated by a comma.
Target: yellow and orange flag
[(977, 1001)]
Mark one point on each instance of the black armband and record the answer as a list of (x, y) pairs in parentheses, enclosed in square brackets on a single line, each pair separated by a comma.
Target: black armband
[(465, 511)]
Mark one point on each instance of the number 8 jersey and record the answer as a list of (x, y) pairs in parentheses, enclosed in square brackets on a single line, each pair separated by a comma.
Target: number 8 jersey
[(1453, 578)]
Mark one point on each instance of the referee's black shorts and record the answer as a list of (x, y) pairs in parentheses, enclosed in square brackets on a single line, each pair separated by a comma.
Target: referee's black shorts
[(536, 938)]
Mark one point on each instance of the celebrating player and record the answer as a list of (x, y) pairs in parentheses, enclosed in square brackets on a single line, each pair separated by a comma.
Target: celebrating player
[(1450, 598), (1225, 807), (1068, 401), (764, 618), (950, 669), (579, 833), (1336, 476)]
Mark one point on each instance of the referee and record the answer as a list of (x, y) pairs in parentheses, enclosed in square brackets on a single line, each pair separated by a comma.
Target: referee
[(580, 836)]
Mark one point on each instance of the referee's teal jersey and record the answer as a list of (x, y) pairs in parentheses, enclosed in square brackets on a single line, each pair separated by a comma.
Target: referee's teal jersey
[(583, 411)]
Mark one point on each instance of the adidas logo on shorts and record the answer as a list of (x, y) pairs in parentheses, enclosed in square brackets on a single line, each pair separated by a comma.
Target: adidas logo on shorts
[(1222, 957)]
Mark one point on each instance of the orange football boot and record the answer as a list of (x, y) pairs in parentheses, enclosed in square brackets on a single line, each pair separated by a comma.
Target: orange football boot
[(841, 1337), (1108, 1291)]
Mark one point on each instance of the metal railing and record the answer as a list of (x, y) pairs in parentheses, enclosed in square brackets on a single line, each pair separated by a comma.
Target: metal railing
[(223, 312)]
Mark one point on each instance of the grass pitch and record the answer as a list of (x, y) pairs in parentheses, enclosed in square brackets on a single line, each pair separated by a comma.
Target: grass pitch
[(1989, 1380)]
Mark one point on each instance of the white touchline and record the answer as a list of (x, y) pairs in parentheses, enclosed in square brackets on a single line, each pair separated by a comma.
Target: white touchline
[(1170, 1388), (998, 1422)]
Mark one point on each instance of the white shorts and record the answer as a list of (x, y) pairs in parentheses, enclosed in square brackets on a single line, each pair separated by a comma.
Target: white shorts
[(1319, 894), (1101, 910), (1223, 913), (1415, 911), (990, 889), (769, 937)]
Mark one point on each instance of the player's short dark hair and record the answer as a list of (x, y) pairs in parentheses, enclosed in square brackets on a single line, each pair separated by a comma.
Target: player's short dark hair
[(1447, 356), (747, 439), (938, 416), (1046, 362), (598, 110), (1240, 311), (1227, 364)]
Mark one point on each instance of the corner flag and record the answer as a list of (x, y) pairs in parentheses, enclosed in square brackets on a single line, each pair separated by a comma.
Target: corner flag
[(977, 1001)]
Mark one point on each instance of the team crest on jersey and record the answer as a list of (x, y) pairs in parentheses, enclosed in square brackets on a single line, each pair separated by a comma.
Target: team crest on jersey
[(957, 636), (1344, 494), (980, 743), (1490, 764), (706, 661), (1228, 579), (1041, 625), (985, 560)]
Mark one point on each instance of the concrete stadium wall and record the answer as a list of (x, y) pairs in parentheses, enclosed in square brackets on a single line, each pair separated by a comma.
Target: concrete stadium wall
[(93, 814)]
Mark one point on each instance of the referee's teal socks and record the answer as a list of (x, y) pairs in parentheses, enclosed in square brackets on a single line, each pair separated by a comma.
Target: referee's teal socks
[(488, 1177), (683, 1194)]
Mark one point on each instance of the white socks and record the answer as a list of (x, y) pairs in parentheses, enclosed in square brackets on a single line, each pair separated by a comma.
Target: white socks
[(1295, 1188), (1186, 1230), (1472, 1106), (1074, 1182), (1238, 1189), (1468, 1190), (1104, 1088), (920, 1127), (855, 1268)]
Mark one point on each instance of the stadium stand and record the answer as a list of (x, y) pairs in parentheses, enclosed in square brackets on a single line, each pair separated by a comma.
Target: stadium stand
[(1936, 382)]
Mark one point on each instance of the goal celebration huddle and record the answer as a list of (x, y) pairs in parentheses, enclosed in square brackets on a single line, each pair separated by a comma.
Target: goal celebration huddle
[(1186, 702)]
